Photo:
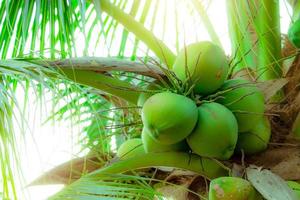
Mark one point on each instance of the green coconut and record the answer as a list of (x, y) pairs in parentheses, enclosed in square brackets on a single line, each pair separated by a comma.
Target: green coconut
[(150, 145), (205, 63), (169, 117), (295, 186), (245, 100), (154, 86), (257, 139), (294, 33), (216, 132), (232, 188), (131, 148)]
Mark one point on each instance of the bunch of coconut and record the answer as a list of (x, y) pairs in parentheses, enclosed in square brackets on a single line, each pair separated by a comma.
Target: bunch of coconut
[(222, 116)]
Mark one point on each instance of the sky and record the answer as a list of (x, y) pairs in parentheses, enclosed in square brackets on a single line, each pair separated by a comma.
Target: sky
[(49, 144)]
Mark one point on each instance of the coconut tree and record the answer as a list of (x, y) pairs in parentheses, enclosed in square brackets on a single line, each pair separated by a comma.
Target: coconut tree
[(39, 49)]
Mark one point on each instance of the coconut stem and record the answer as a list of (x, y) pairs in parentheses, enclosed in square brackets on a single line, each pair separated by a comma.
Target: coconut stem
[(155, 44), (206, 167), (104, 83)]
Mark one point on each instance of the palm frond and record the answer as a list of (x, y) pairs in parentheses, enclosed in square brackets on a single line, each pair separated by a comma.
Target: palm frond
[(112, 187), (54, 29), (15, 75)]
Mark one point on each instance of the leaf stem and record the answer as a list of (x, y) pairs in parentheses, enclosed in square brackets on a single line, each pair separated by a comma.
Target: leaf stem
[(155, 44)]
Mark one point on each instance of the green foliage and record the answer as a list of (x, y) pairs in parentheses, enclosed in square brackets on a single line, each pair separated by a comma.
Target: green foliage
[(43, 16), (16, 75), (114, 186)]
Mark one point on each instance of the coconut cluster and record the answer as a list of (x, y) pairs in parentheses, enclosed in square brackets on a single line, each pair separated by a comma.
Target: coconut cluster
[(228, 117)]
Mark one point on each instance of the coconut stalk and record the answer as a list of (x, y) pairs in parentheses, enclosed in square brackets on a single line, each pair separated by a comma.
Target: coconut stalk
[(206, 167), (102, 65), (142, 21), (241, 35), (94, 72), (269, 40), (263, 18), (269, 43), (207, 23), (156, 45), (104, 83), (133, 12), (256, 38)]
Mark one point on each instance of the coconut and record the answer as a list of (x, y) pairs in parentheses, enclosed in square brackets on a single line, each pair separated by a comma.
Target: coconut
[(232, 188), (257, 139), (154, 86), (150, 145), (131, 148), (295, 186), (205, 64), (216, 132), (245, 100), (169, 117)]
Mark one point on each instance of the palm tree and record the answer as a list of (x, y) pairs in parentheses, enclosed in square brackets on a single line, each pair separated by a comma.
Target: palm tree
[(38, 50)]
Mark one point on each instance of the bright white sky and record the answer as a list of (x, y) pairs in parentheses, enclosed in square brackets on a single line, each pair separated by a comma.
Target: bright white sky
[(54, 143)]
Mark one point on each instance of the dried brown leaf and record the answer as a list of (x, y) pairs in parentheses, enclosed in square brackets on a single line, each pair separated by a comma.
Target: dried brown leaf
[(179, 192), (283, 161), (271, 87), (296, 127), (70, 171)]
